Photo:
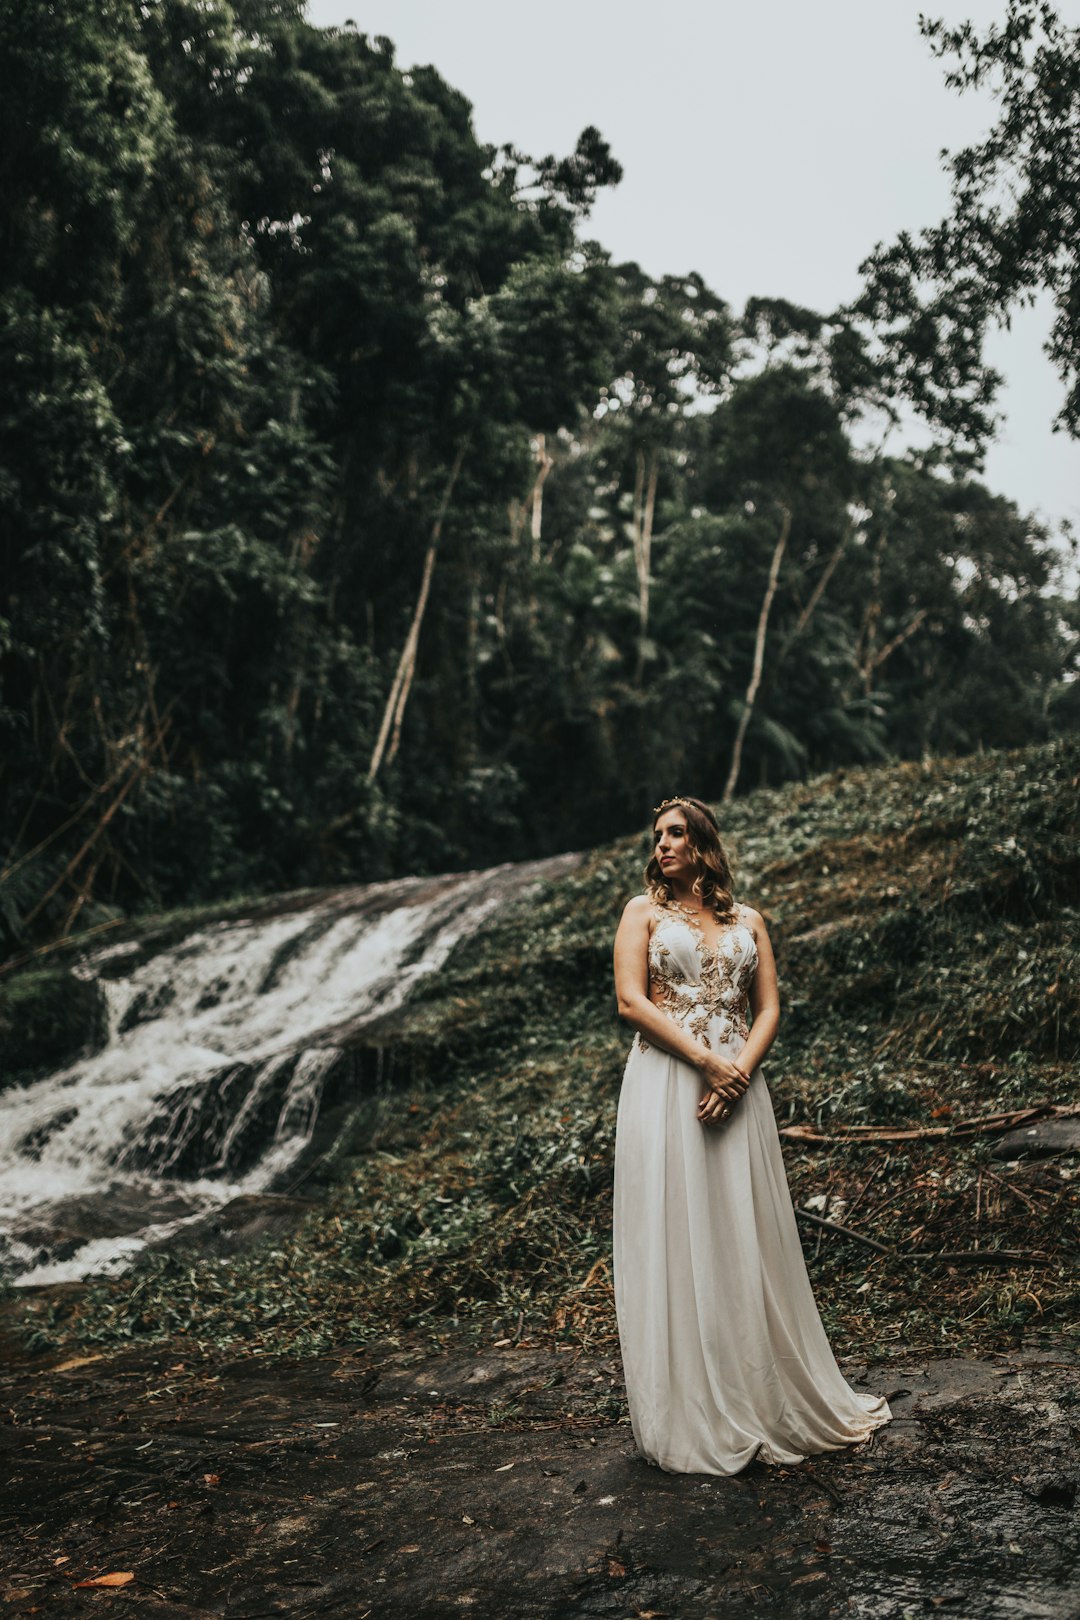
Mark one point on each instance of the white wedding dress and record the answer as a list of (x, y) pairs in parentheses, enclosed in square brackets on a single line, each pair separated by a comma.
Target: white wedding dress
[(724, 1353)]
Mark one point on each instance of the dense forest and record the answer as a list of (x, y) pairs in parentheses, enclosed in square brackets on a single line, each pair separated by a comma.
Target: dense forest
[(360, 515)]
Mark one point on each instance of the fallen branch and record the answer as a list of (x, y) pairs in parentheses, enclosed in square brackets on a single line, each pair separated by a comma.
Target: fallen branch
[(994, 1257), (844, 1231), (985, 1125), (860, 1133), (85, 847), (1000, 1122)]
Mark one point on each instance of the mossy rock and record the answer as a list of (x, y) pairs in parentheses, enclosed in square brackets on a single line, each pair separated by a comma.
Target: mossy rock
[(48, 1019)]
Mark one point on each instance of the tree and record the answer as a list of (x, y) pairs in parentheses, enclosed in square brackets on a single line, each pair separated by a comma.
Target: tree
[(1012, 233), (161, 479), (676, 352), (349, 494)]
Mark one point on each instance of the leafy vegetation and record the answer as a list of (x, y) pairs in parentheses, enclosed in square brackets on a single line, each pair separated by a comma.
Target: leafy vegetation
[(1010, 235), (361, 516), (925, 919)]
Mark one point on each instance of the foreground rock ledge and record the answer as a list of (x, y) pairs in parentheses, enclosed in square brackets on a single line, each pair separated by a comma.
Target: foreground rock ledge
[(396, 1482)]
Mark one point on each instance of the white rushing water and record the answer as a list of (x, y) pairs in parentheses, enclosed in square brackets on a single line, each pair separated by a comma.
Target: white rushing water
[(210, 1082)]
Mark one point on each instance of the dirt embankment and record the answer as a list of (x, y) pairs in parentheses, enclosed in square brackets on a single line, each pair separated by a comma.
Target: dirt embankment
[(396, 1482)]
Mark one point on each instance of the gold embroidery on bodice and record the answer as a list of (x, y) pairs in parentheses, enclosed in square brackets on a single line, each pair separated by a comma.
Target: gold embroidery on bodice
[(705, 988)]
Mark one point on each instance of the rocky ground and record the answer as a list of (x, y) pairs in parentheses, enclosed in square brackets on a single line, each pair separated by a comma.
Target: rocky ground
[(396, 1482)]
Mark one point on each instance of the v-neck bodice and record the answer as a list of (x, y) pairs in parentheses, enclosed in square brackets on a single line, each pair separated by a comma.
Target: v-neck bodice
[(705, 987)]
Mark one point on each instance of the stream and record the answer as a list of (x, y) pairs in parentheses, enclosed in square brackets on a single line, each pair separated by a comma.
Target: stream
[(219, 1053)]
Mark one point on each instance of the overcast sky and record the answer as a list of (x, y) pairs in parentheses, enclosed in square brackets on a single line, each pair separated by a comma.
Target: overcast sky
[(767, 146)]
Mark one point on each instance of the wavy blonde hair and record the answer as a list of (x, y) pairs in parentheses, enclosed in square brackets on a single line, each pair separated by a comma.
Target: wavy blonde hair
[(713, 881)]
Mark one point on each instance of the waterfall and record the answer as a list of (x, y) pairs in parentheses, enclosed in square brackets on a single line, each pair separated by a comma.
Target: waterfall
[(218, 1053)]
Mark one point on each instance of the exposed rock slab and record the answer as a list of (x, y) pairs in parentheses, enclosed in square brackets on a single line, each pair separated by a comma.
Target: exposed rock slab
[(392, 1483)]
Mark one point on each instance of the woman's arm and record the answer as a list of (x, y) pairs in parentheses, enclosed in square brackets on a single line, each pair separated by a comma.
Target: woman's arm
[(764, 997), (632, 990)]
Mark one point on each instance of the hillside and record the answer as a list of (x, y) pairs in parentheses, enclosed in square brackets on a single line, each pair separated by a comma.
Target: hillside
[(924, 918)]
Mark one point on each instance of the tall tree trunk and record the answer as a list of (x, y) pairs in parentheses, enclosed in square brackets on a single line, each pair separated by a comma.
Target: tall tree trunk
[(867, 638), (644, 514), (759, 656), (466, 710), (394, 712), (534, 506), (545, 464), (815, 595)]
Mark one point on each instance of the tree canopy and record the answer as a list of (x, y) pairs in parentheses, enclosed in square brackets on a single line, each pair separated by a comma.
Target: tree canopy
[(1013, 232), (360, 515)]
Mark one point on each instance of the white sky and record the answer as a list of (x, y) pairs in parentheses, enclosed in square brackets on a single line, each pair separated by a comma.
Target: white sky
[(768, 146)]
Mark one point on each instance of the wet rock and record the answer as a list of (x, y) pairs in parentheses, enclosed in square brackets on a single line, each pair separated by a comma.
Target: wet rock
[(47, 1243), (249, 1207), (1042, 1140), (148, 1005), (388, 1481), (236, 1226), (48, 1019), (36, 1139)]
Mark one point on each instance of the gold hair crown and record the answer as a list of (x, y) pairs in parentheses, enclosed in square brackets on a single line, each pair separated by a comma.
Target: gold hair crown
[(677, 800)]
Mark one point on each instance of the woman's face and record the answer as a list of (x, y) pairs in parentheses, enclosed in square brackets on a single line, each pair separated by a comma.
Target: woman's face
[(671, 845)]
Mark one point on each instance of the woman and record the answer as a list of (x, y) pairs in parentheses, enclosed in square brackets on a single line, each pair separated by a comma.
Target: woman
[(723, 1349)]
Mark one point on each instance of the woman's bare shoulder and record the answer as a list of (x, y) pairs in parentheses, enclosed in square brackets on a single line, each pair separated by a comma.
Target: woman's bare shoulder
[(635, 924), (752, 918)]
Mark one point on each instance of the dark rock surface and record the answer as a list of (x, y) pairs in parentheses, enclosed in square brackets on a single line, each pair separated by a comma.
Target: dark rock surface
[(393, 1483)]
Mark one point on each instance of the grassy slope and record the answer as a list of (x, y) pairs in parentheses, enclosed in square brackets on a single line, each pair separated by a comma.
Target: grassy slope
[(925, 924)]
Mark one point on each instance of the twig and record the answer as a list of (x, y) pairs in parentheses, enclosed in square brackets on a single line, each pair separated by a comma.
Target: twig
[(9, 871), (821, 1229), (596, 1267), (823, 1485), (893, 1198), (864, 1189), (1023, 1196), (69, 942), (85, 846), (1002, 1257)]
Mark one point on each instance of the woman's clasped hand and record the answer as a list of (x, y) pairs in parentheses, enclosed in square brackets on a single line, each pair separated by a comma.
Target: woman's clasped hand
[(727, 1083)]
